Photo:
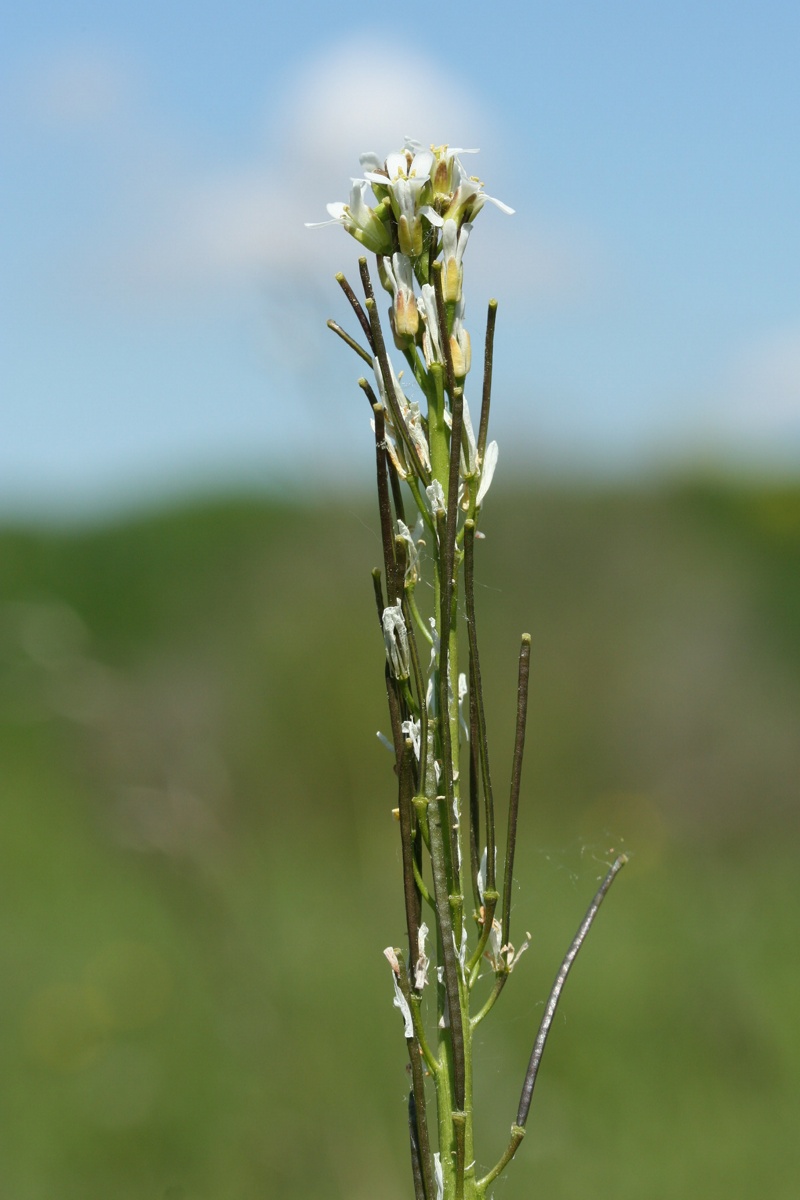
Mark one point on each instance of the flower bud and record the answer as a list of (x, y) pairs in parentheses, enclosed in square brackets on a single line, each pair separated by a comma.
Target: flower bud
[(454, 243), (461, 352), (401, 281)]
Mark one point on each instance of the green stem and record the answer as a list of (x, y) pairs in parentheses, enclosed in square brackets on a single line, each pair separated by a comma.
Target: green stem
[(517, 1134), (499, 984)]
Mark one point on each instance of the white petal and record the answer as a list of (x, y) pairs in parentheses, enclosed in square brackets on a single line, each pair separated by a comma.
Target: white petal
[(437, 1170), (421, 166), (401, 1003), (397, 164), (499, 204), (482, 874), (435, 493), (489, 464), (432, 215)]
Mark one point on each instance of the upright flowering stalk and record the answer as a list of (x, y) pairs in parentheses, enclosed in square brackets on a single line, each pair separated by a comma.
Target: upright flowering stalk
[(434, 469)]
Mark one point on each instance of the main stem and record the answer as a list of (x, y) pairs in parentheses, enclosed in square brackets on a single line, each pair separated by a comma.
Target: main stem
[(455, 1111)]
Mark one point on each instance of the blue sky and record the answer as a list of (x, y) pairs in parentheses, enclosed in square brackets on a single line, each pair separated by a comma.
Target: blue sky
[(163, 305)]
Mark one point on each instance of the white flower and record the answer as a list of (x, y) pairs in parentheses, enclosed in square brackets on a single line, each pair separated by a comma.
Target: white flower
[(395, 637), (448, 169), (454, 243), (405, 176), (401, 280), (469, 198), (364, 223), (460, 345), (431, 339)]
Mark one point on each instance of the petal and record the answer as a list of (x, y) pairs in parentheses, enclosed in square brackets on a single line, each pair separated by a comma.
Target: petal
[(421, 166), (431, 215), (498, 204), (489, 464), (397, 164)]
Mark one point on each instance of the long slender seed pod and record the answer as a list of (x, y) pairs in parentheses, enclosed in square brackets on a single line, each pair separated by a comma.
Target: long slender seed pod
[(476, 685), (367, 389), (357, 308), (488, 363), (395, 714), (410, 890), (384, 506), (474, 790), (457, 417), (401, 562), (351, 342), (516, 777), (378, 589), (449, 760), (555, 991), (419, 687), (366, 283), (413, 1137), (397, 495)]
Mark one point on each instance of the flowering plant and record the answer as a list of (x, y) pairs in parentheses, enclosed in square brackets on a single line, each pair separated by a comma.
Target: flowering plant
[(430, 456)]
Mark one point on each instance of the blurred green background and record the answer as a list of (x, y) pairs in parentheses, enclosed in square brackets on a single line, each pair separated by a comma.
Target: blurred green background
[(200, 870)]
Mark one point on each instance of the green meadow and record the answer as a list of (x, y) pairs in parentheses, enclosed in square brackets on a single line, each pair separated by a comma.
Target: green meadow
[(200, 869)]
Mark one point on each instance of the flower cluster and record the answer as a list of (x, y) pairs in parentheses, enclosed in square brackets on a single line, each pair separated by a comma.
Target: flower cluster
[(418, 227)]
